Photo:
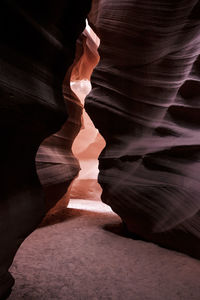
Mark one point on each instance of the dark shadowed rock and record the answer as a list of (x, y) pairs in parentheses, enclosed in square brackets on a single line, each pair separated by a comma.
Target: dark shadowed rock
[(145, 103), (37, 47)]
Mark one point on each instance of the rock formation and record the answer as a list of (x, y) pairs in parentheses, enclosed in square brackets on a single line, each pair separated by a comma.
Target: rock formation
[(145, 103), (89, 143), (56, 164), (37, 47)]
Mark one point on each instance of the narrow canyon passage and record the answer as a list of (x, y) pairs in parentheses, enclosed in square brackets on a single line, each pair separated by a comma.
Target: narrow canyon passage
[(81, 252), (87, 147), (100, 154)]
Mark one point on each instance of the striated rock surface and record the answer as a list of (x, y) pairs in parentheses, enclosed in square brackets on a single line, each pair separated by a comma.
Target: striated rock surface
[(89, 143), (56, 164), (38, 41), (145, 103)]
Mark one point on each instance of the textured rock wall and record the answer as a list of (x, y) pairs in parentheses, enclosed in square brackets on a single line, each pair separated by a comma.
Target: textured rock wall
[(86, 147), (145, 103), (89, 143), (56, 164), (37, 47)]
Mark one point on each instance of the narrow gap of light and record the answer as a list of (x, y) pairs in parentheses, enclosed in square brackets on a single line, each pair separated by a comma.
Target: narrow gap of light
[(87, 26), (89, 205)]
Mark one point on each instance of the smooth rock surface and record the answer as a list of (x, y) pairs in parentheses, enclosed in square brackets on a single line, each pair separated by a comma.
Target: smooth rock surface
[(145, 103), (72, 257)]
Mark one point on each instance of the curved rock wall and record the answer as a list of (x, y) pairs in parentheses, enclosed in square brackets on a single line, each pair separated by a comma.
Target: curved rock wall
[(38, 40), (89, 143), (56, 164), (145, 103)]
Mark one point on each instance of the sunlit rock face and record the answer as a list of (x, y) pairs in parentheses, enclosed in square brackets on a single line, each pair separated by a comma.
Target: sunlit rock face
[(38, 40), (144, 102), (89, 143), (57, 164), (86, 147)]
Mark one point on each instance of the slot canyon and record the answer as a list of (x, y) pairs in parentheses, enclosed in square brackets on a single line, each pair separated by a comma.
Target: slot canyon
[(100, 148)]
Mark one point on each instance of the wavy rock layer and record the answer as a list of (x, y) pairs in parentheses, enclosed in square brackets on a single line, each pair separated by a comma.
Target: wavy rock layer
[(56, 164), (37, 46), (145, 103), (89, 143)]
